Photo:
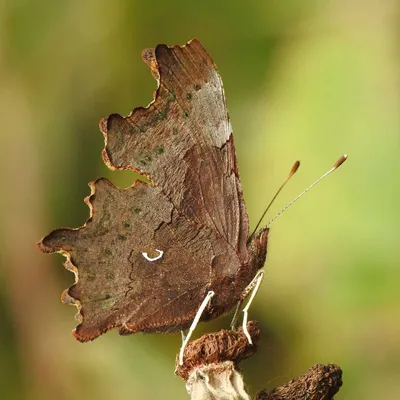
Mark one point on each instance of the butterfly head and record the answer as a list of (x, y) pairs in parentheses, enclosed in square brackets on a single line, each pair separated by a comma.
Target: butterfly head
[(258, 247)]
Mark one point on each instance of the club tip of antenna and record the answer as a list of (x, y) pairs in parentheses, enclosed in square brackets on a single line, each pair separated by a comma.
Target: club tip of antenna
[(339, 162), (295, 167)]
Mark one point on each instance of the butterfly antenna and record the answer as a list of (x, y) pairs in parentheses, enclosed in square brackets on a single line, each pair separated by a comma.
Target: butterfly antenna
[(295, 167), (337, 164)]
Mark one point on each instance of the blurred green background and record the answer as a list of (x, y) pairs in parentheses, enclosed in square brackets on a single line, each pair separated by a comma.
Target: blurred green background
[(304, 80)]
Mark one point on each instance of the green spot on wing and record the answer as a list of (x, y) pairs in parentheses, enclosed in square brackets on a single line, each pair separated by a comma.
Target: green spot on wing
[(154, 118), (140, 128), (143, 158), (107, 302), (171, 96), (160, 149), (127, 225), (110, 275)]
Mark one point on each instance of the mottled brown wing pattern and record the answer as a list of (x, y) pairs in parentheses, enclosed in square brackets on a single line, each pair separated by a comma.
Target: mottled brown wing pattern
[(148, 254), (118, 286), (183, 141)]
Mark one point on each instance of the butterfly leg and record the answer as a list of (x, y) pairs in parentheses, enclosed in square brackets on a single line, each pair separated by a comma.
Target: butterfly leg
[(196, 320), (183, 336), (233, 323), (254, 286)]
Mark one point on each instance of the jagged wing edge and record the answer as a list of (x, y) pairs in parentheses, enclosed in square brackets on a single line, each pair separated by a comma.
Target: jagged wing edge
[(148, 56), (66, 298)]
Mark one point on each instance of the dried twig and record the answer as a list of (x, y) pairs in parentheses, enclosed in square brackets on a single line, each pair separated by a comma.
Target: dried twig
[(320, 382), (210, 365)]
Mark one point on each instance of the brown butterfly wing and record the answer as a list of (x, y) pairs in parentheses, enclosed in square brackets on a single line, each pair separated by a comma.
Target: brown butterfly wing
[(193, 211), (118, 286), (183, 142)]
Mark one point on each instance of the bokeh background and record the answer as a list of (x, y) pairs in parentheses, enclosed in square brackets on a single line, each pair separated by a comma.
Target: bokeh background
[(304, 80)]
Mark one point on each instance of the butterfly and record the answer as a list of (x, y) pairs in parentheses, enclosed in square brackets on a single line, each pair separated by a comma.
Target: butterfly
[(148, 255)]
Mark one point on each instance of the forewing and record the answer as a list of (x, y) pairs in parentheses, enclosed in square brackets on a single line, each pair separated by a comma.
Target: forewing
[(139, 264), (183, 142)]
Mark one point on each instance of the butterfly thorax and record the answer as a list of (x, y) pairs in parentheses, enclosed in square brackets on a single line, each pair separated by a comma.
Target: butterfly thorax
[(257, 251), (232, 288), (257, 246)]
